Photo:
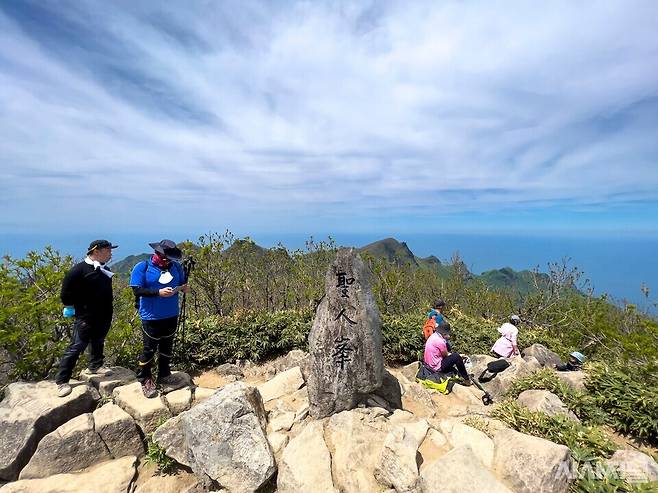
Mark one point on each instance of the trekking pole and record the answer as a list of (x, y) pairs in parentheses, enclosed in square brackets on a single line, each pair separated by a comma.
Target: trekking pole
[(188, 267)]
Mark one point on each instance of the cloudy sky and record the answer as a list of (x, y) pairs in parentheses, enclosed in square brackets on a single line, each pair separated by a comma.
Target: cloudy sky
[(383, 116)]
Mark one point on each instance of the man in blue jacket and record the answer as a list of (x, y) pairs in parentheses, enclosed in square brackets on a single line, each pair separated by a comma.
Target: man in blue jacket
[(156, 282)]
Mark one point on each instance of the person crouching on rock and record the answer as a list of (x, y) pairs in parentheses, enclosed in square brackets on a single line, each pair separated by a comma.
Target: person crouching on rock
[(438, 359), (506, 345), (575, 362), (87, 296), (156, 282)]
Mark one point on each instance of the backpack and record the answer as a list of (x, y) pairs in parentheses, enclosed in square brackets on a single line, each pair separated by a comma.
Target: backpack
[(428, 328), (443, 382), (493, 369)]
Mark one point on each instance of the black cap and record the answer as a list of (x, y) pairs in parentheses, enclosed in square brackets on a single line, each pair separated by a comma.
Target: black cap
[(439, 304), (167, 248), (98, 244)]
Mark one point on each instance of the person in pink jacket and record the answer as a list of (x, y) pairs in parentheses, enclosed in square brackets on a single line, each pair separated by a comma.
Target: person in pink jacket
[(506, 345)]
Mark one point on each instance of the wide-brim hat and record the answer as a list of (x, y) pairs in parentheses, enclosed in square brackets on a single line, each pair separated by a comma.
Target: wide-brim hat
[(168, 249)]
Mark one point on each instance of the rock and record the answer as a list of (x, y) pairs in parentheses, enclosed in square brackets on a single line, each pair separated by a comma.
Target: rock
[(118, 431), (479, 363), (168, 484), (531, 464), (229, 369), (434, 446), (468, 395), (225, 439), (71, 447), (574, 379), (634, 466), (459, 434), (201, 394), (110, 477), (212, 380), (305, 465), (355, 439), (266, 371), (29, 412), (503, 381), (417, 400), (171, 437), (178, 401), (148, 413), (283, 422), (545, 402), (397, 464), (390, 391), (282, 384), (374, 400), (297, 402), (345, 342), (545, 356), (459, 471), (410, 370), (277, 441), (177, 380), (106, 384)]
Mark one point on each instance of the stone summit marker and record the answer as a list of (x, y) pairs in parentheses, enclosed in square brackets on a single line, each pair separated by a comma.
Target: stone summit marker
[(345, 343)]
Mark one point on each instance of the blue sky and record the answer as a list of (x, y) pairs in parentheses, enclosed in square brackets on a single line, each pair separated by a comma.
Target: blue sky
[(376, 117)]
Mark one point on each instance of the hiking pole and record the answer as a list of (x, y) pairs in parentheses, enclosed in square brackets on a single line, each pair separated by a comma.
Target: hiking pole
[(188, 267)]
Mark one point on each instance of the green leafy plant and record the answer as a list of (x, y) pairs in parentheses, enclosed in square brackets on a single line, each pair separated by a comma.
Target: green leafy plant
[(156, 455)]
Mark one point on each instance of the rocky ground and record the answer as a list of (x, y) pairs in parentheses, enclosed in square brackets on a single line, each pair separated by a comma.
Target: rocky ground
[(248, 428)]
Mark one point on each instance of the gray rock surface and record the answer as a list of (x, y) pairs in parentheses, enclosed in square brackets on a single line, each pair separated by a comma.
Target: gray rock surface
[(106, 384), (530, 464), (109, 477), (545, 402), (574, 379), (545, 356), (284, 383), (345, 343), (634, 466), (390, 391), (223, 439), (71, 447), (503, 381), (148, 413), (305, 465), (29, 412), (459, 471), (118, 431)]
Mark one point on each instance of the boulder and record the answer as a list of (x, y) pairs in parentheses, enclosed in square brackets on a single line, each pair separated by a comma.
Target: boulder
[(224, 439), (229, 369), (283, 383), (574, 379), (305, 465), (200, 394), (634, 466), (479, 363), (355, 439), (278, 441), (110, 477), (282, 422), (168, 484), (545, 402), (459, 434), (106, 384), (390, 391), (531, 464), (434, 446), (459, 471), (545, 356), (267, 370), (118, 431), (71, 447), (409, 371), (417, 399), (29, 412), (503, 381), (398, 466), (148, 413), (345, 342), (178, 401), (177, 380)]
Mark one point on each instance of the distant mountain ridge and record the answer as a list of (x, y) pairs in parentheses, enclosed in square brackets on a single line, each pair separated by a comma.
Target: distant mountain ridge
[(394, 251)]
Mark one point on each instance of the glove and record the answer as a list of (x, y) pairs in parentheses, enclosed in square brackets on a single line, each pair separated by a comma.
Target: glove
[(68, 311)]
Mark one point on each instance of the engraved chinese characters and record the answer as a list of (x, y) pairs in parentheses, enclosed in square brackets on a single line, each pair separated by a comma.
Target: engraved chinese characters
[(345, 343)]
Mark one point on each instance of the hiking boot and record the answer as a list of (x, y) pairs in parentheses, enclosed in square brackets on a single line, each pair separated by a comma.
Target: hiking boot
[(465, 382), (63, 389), (148, 388), (103, 371)]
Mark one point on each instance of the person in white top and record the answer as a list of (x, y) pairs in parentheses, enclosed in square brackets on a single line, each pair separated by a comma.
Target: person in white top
[(506, 346)]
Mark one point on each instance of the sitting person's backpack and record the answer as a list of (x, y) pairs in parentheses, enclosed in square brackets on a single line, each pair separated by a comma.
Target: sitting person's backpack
[(493, 369), (436, 380)]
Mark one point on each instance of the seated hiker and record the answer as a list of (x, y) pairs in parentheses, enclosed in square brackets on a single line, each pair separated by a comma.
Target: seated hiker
[(439, 360), (575, 362), (506, 346)]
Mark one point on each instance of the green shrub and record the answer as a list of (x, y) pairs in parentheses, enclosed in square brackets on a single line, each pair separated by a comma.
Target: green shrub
[(156, 455)]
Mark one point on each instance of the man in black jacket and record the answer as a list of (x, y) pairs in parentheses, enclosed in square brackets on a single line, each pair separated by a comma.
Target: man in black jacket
[(87, 295)]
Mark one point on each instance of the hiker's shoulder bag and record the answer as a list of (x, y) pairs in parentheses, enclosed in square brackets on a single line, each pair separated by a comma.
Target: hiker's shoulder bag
[(493, 369)]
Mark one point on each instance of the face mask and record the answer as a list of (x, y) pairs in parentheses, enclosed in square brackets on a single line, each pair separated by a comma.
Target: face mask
[(165, 278)]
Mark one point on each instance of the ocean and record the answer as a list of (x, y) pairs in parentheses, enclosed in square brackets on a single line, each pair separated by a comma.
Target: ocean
[(617, 265)]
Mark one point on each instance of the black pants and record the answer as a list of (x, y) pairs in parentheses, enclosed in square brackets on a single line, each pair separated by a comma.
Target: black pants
[(85, 333), (452, 362), (158, 338)]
